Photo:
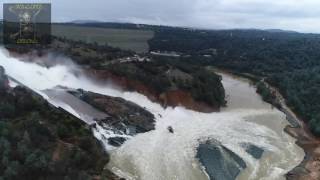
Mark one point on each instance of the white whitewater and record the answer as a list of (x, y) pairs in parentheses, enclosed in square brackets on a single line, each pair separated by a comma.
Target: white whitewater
[(160, 155)]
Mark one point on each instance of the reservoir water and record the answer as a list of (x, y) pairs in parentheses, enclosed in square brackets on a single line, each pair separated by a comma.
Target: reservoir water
[(160, 155)]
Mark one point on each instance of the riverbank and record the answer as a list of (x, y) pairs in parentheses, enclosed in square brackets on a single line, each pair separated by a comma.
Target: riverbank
[(309, 167)]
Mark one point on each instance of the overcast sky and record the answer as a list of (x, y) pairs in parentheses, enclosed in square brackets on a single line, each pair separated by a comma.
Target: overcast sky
[(299, 15)]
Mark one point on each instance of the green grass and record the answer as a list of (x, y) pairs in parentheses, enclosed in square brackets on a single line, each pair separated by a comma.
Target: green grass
[(128, 39)]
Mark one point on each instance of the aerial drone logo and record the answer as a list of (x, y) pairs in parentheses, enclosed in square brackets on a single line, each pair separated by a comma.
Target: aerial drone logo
[(26, 23)]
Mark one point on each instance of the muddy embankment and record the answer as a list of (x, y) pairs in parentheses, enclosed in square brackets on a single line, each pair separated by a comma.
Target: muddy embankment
[(170, 98)]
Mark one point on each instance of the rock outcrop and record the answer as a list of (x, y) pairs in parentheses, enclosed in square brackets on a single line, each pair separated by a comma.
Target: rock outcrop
[(124, 115), (218, 161), (4, 82)]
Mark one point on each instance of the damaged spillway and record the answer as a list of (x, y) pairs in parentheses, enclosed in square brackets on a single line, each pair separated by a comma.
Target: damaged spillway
[(248, 132)]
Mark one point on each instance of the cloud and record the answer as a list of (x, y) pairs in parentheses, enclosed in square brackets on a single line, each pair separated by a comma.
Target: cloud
[(214, 14)]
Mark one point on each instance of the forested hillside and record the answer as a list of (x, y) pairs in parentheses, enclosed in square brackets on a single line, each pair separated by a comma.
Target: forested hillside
[(288, 60), (38, 141)]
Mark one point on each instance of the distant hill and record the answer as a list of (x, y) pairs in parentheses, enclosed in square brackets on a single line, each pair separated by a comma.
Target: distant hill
[(85, 21), (95, 23), (280, 30)]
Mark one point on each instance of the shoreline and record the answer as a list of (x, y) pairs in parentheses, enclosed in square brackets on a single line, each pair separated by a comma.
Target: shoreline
[(309, 167)]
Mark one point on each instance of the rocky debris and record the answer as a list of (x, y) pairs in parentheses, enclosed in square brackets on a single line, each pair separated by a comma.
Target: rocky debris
[(124, 115), (218, 161), (170, 129), (253, 150), (116, 141)]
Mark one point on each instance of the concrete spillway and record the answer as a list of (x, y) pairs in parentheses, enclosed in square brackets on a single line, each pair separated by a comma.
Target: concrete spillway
[(88, 113)]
